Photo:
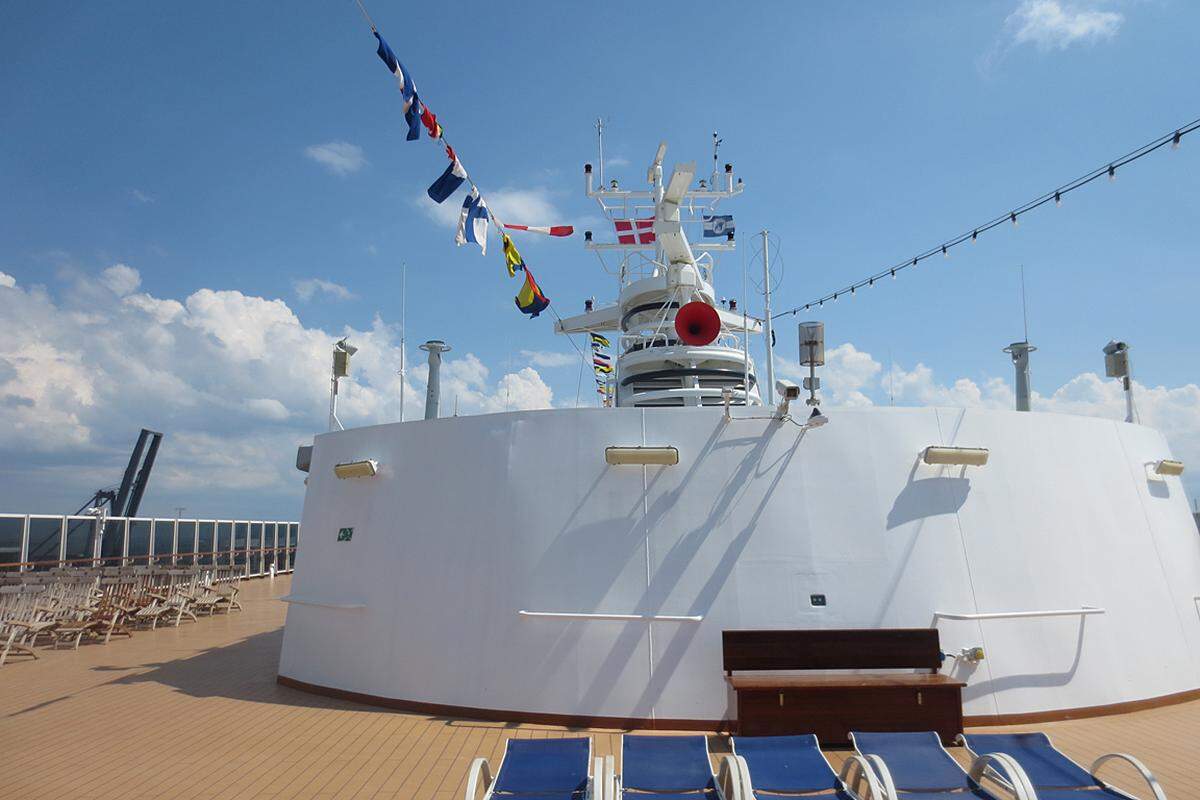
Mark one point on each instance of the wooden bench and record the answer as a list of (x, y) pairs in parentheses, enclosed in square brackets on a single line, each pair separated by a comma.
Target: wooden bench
[(832, 705)]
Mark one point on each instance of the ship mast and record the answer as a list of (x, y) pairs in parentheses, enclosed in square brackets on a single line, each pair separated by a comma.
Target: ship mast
[(668, 239)]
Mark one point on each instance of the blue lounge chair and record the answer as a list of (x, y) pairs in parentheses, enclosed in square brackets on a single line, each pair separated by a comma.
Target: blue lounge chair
[(537, 769), (915, 766), (794, 767), (672, 768), (1052, 774)]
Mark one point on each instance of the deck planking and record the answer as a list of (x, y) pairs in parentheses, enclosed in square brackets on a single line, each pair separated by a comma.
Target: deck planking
[(195, 712)]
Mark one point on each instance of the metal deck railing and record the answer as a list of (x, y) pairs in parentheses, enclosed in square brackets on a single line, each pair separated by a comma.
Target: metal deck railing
[(34, 542)]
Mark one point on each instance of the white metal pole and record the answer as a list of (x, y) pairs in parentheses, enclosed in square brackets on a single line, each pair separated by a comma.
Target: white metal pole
[(770, 395), (1128, 379), (745, 336), (600, 141), (332, 402), (403, 330)]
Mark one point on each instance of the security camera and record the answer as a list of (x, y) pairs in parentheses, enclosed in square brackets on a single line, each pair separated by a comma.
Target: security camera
[(787, 390)]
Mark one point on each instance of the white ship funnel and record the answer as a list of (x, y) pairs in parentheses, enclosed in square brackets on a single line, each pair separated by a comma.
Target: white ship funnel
[(1020, 357), (435, 348)]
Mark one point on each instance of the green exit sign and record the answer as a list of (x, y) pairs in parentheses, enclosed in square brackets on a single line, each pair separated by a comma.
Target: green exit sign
[(345, 534)]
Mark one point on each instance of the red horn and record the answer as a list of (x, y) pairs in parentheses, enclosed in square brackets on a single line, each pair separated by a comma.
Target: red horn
[(697, 323)]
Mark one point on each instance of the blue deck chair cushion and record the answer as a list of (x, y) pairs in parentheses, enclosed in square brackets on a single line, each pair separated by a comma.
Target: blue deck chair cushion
[(1079, 794), (786, 763), (916, 760), (547, 767), (960, 795), (1044, 765), (666, 764)]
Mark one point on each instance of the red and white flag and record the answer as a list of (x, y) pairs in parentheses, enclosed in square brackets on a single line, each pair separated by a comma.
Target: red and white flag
[(552, 230), (627, 233)]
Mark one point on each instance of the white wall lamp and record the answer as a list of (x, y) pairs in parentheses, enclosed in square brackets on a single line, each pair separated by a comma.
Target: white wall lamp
[(961, 456), (658, 456), (1168, 467), (367, 468)]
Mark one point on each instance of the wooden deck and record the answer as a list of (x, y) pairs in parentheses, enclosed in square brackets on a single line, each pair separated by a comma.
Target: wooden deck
[(195, 712)]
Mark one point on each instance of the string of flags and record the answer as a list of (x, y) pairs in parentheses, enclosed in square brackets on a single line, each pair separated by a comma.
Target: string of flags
[(475, 214), (1056, 195), (601, 365)]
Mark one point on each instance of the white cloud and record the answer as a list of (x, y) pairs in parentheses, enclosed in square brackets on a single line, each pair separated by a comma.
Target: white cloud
[(1050, 24), (121, 279), (267, 408), (235, 381), (616, 161), (163, 311), (340, 158), (7, 281), (541, 358), (307, 288), (848, 371), (140, 196)]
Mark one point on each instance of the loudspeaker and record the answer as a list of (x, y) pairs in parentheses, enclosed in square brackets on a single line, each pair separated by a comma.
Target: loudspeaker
[(697, 323)]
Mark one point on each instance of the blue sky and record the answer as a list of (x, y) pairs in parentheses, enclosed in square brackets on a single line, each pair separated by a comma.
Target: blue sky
[(251, 150)]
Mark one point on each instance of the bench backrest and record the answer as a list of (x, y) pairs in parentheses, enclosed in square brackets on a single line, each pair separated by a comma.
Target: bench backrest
[(854, 648)]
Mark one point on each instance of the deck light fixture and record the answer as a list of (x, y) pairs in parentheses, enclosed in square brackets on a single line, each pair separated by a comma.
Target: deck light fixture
[(959, 456), (367, 468), (658, 456), (1168, 466), (342, 351)]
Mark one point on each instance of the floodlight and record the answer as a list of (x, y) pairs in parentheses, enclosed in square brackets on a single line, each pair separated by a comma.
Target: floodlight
[(660, 456), (1168, 467), (366, 468), (957, 456), (346, 347)]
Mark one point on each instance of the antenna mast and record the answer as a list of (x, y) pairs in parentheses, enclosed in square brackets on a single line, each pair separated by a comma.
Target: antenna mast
[(767, 331), (716, 148), (1024, 307), (403, 330), (600, 147)]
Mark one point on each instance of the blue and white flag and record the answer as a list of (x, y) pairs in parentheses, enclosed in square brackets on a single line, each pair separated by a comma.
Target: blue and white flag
[(473, 222), (718, 226), (408, 88), (448, 183)]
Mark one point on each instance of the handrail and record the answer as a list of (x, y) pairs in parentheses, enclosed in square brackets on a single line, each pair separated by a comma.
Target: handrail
[(632, 617), (1063, 612), (304, 601)]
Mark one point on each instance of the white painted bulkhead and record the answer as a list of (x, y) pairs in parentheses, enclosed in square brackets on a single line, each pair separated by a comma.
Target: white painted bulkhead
[(472, 520)]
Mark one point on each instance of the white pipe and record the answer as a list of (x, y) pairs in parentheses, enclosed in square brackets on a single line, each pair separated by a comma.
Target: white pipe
[(627, 617), (769, 399), (1066, 612)]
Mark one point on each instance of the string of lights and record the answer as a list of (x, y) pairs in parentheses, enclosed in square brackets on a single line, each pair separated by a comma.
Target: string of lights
[(1012, 216)]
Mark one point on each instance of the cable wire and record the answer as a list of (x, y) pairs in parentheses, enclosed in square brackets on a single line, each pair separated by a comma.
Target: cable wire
[(1173, 138)]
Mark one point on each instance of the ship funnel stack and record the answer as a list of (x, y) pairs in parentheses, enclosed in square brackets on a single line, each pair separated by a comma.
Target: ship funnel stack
[(435, 348), (1020, 357)]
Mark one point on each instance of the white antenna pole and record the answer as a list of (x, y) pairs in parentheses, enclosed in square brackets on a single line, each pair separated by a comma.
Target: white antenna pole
[(1024, 307), (745, 336), (1130, 411), (403, 330), (770, 393), (600, 143), (716, 147), (334, 424)]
